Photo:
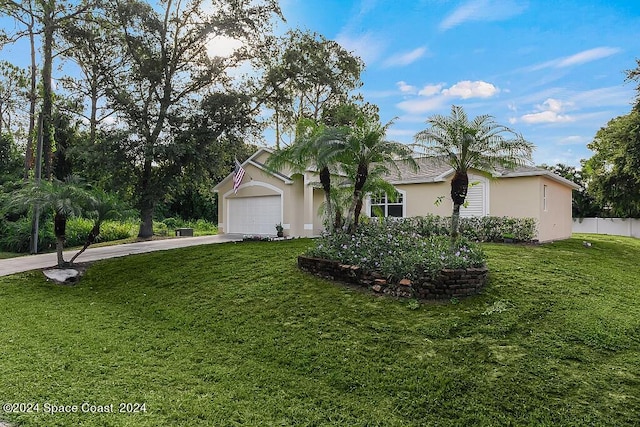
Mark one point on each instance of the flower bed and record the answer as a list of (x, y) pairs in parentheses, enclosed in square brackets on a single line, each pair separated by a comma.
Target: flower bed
[(394, 259), (446, 284)]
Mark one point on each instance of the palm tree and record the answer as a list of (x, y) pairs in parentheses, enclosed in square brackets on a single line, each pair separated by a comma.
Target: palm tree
[(366, 150), (316, 145), (65, 198), (480, 144)]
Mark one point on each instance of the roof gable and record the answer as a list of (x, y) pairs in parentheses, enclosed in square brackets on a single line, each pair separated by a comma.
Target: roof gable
[(253, 161)]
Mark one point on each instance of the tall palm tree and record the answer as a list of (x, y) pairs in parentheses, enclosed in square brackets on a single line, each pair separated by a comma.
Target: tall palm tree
[(316, 145), (479, 144), (365, 150)]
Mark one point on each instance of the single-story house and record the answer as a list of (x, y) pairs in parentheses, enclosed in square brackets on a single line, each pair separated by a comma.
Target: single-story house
[(265, 198)]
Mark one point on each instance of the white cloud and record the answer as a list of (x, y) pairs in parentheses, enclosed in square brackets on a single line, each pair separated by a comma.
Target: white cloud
[(578, 58), (549, 112), (433, 97), (430, 90), (367, 46), (468, 89), (482, 10), (554, 105), (406, 58), (545, 117), (406, 88)]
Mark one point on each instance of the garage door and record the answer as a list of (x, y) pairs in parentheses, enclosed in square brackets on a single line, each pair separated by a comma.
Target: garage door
[(254, 215)]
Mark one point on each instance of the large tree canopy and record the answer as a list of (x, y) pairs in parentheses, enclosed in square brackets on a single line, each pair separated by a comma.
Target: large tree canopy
[(614, 169), (166, 67), (307, 74)]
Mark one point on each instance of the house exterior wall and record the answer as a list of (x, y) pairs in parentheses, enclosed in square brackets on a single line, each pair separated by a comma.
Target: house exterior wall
[(298, 219), (516, 197), (524, 197), (520, 197), (556, 222), (421, 198)]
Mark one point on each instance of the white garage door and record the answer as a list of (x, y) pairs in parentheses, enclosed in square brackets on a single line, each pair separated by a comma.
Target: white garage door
[(254, 215)]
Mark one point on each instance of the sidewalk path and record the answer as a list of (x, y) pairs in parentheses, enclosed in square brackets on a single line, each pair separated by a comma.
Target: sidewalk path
[(34, 262)]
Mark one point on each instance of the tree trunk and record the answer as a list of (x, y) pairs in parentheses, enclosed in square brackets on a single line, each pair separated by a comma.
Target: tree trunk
[(60, 230), (459, 188), (146, 223), (455, 222), (351, 223), (356, 216), (91, 238), (47, 89), (325, 180), (147, 203), (33, 97)]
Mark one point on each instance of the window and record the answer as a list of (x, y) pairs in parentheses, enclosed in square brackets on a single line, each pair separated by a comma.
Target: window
[(381, 205), (544, 198)]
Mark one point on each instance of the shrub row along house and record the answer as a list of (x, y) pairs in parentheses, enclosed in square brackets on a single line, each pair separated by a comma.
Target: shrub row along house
[(266, 198)]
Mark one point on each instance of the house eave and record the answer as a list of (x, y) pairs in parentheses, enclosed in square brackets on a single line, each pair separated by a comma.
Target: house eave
[(251, 161)]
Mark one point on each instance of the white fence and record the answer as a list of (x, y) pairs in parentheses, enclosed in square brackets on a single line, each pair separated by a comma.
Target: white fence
[(615, 226)]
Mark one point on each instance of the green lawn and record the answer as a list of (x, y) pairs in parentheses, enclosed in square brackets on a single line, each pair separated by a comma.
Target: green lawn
[(234, 334)]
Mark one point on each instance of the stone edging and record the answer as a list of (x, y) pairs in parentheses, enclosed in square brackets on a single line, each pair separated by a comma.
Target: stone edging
[(446, 285)]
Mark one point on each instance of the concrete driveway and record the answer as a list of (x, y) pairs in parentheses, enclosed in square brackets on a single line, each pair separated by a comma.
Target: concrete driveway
[(36, 262)]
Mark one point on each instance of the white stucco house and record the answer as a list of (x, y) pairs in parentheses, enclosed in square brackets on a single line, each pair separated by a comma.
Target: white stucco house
[(265, 199)]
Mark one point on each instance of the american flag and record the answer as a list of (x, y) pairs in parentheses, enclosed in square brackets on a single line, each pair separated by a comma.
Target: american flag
[(238, 174)]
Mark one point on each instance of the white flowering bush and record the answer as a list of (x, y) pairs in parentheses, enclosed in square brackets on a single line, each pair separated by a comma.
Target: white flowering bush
[(397, 251), (480, 229)]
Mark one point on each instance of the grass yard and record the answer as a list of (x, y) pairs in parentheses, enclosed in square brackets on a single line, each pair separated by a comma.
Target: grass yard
[(234, 334)]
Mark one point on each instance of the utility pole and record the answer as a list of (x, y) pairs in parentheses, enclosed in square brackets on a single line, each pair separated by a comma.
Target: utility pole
[(35, 222)]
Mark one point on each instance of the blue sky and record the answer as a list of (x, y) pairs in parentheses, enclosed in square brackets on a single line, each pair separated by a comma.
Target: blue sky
[(551, 70)]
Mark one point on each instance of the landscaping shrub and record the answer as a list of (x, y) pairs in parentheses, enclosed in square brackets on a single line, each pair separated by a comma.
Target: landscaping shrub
[(200, 226), (16, 235), (117, 230), (480, 229), (397, 251)]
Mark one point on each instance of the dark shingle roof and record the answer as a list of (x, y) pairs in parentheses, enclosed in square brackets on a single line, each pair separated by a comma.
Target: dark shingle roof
[(432, 169)]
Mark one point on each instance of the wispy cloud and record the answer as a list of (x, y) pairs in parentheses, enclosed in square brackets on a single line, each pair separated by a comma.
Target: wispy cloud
[(406, 58), (573, 140), (577, 59), (482, 10)]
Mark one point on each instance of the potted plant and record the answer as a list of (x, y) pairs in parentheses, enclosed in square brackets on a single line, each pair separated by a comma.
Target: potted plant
[(280, 230)]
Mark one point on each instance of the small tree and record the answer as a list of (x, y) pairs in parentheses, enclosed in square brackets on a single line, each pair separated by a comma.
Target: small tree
[(479, 144), (366, 149), (318, 146), (64, 198)]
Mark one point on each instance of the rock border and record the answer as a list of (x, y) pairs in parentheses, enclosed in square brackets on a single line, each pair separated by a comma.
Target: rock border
[(448, 283)]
